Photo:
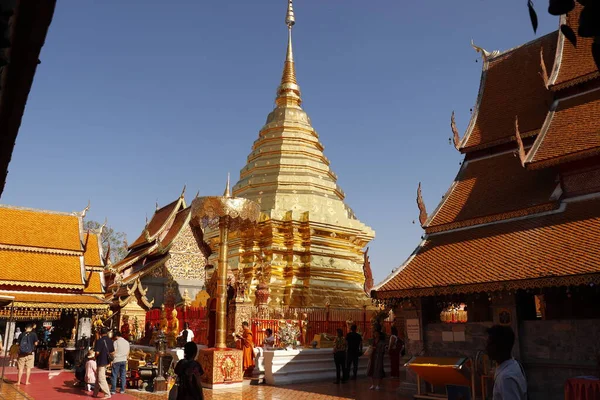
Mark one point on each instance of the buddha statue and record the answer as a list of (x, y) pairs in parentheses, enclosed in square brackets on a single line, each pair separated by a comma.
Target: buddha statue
[(173, 331), (164, 322)]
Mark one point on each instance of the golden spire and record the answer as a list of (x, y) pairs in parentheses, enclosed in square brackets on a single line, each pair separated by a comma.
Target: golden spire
[(227, 192), (288, 92)]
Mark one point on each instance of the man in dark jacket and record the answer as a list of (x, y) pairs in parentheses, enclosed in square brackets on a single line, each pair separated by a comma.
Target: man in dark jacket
[(104, 349), (355, 347)]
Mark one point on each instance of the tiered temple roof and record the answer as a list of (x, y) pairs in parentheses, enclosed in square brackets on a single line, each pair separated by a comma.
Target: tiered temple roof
[(149, 252), (47, 261), (524, 209)]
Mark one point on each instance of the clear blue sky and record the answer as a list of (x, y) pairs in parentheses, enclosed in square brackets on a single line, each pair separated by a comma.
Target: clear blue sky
[(135, 98)]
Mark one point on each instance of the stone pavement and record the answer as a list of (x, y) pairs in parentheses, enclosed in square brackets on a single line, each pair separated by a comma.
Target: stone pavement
[(58, 385)]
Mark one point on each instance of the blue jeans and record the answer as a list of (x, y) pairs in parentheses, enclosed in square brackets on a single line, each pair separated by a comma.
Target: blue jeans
[(118, 371)]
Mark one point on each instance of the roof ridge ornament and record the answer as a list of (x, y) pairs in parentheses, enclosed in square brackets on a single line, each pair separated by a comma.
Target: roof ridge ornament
[(183, 191), (486, 55), (421, 205), (455, 135), (544, 72), (85, 210), (520, 147), (146, 231)]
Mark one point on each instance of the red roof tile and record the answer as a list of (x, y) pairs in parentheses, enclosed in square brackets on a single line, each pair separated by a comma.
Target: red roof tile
[(181, 219), (493, 186), (575, 64), (160, 217), (512, 87), (552, 247), (572, 131)]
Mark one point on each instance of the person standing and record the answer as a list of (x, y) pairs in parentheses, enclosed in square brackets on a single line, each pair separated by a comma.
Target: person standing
[(13, 353), (269, 342), (90, 371), (375, 367), (394, 348), (187, 334), (119, 364), (509, 378), (27, 342), (17, 333), (355, 349), (104, 349), (247, 342), (339, 357), (189, 373)]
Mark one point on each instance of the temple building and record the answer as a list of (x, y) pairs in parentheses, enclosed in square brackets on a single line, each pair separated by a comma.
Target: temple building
[(164, 266), (514, 240), (312, 241), (50, 265)]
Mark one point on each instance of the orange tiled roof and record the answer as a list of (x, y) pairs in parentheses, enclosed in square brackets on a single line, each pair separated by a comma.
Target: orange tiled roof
[(40, 269), (575, 64), (36, 228), (55, 300), (551, 250), (511, 86), (93, 283), (158, 220), (492, 186), (573, 131), (92, 251)]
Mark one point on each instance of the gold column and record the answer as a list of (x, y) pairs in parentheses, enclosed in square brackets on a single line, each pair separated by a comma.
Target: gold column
[(221, 319)]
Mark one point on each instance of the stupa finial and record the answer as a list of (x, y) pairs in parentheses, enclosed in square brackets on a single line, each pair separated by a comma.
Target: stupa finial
[(288, 92), (227, 192)]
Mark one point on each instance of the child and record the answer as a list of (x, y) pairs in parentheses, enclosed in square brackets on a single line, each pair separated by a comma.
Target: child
[(13, 353), (90, 371)]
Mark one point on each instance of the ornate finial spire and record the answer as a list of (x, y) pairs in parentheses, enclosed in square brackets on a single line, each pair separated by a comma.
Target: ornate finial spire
[(520, 147), (288, 92), (455, 135), (227, 192), (421, 205)]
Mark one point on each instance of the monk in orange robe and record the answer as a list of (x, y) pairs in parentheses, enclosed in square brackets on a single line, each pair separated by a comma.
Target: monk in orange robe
[(247, 342)]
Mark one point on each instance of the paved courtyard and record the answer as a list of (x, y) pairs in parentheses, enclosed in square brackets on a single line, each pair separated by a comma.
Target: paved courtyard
[(58, 385)]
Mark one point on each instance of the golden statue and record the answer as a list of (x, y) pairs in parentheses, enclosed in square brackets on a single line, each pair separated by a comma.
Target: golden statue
[(304, 325), (173, 331), (164, 322)]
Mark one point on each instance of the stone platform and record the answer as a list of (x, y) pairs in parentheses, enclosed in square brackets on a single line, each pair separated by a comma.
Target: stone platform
[(283, 367)]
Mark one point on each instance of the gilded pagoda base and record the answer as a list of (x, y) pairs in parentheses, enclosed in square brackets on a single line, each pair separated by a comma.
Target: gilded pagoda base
[(222, 368)]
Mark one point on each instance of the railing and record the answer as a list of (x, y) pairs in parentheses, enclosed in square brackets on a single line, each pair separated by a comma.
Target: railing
[(196, 317), (320, 320)]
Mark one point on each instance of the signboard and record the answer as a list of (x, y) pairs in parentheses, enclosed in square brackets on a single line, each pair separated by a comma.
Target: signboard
[(413, 329)]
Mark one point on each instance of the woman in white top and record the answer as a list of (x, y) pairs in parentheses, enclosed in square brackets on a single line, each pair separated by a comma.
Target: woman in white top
[(187, 333), (269, 341)]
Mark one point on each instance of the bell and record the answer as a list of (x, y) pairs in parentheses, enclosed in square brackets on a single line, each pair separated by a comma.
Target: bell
[(589, 21), (560, 7)]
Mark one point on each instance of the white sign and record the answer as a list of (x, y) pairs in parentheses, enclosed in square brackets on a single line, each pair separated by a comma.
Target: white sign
[(413, 329)]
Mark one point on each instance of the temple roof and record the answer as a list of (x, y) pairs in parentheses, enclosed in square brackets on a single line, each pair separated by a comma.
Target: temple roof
[(571, 131), (160, 220), (575, 64), (92, 254), (511, 85), (492, 188), (535, 251), (93, 282), (55, 300), (40, 228), (26, 268)]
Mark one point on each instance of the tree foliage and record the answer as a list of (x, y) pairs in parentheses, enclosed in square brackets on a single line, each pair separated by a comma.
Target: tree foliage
[(117, 241)]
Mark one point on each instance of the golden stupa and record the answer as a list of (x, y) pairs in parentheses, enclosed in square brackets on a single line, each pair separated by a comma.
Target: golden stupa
[(313, 245)]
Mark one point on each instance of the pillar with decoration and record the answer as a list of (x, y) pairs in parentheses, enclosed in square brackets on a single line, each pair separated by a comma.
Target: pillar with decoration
[(222, 365)]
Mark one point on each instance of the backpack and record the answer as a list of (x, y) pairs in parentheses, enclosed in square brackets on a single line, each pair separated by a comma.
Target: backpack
[(25, 346)]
